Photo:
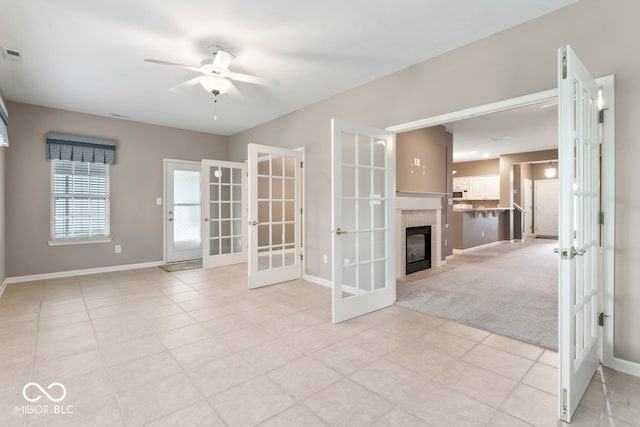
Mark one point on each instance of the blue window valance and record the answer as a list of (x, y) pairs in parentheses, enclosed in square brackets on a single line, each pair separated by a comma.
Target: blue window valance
[(61, 146)]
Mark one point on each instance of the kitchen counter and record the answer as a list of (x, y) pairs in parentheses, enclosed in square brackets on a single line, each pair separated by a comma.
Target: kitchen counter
[(478, 226)]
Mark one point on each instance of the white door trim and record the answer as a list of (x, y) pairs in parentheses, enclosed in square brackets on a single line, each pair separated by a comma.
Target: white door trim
[(164, 200), (608, 190), (480, 110)]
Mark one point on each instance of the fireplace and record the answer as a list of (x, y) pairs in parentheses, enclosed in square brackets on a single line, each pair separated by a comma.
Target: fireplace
[(418, 252)]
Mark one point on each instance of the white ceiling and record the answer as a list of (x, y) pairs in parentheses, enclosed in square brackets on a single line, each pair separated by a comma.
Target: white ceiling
[(88, 55), (520, 130)]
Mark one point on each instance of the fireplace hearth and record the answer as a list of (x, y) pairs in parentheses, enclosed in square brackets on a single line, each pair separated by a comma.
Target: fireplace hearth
[(418, 248)]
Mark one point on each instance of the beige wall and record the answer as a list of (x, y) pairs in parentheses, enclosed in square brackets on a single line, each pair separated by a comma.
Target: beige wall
[(3, 216), (516, 62), (506, 170), (538, 170), (3, 213), (477, 167), (136, 182), (430, 146)]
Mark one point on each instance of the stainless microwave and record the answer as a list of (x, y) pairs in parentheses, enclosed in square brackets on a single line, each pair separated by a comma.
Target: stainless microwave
[(459, 195)]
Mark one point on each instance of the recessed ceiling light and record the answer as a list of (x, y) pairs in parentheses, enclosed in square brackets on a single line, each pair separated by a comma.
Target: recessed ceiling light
[(474, 152), (486, 155), (119, 116)]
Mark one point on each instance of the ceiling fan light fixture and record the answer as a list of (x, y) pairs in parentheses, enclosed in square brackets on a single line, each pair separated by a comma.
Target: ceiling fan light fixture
[(215, 83)]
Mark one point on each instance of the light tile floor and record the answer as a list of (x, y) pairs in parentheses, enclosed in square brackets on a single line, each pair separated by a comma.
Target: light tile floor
[(192, 348)]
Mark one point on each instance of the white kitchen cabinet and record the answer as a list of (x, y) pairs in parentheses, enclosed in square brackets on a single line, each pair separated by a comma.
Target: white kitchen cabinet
[(484, 188), (476, 188), (461, 184), (492, 188)]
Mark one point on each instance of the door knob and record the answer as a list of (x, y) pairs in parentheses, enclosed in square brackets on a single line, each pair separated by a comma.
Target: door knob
[(170, 219), (206, 219), (340, 231), (253, 223)]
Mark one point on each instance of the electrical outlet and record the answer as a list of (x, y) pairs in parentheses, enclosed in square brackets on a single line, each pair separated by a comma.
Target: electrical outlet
[(159, 201), (324, 259), (118, 249), (445, 243)]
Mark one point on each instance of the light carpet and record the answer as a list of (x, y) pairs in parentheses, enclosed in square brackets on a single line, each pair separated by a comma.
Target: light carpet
[(510, 289)]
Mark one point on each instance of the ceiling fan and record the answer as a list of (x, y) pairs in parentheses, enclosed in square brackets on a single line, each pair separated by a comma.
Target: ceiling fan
[(216, 76)]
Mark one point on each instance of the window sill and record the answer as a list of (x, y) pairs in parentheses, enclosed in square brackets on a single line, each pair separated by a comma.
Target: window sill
[(64, 242)]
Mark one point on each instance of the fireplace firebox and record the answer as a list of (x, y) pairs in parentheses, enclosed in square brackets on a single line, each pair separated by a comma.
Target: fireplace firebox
[(418, 241)]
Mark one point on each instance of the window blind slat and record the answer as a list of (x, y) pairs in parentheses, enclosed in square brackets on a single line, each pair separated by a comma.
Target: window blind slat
[(80, 200)]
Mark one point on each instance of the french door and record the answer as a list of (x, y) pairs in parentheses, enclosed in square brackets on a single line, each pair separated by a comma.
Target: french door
[(363, 196), (579, 230), (274, 215), (224, 213), (182, 216)]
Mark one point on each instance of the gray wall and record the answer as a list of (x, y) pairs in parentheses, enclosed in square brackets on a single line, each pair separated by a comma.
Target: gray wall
[(136, 181), (516, 62)]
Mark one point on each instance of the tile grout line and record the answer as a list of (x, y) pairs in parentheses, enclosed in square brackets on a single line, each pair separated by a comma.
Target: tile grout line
[(106, 365)]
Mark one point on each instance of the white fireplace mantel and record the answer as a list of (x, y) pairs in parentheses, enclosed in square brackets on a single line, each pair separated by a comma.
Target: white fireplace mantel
[(418, 202)]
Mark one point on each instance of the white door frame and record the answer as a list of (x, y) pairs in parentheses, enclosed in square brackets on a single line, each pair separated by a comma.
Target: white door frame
[(608, 192), (164, 200), (528, 189), (303, 205)]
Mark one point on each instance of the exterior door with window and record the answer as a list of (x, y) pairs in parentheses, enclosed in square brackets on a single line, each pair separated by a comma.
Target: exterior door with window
[(274, 215), (363, 195), (183, 209), (579, 230), (223, 213)]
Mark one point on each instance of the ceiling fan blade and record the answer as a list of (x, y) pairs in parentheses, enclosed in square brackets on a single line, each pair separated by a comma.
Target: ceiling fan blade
[(235, 94), (174, 64), (188, 83), (222, 60), (253, 79)]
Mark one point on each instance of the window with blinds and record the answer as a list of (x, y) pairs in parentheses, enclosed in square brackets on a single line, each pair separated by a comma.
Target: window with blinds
[(79, 201)]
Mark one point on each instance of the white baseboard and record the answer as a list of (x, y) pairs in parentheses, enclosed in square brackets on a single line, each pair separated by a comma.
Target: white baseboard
[(475, 248), (318, 280), (72, 273), (3, 286), (449, 258), (626, 367)]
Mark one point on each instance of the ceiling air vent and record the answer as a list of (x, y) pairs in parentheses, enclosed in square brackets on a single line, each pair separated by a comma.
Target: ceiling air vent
[(12, 54)]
